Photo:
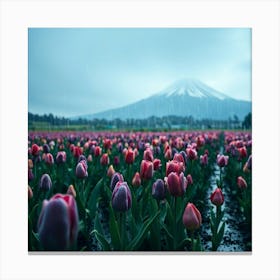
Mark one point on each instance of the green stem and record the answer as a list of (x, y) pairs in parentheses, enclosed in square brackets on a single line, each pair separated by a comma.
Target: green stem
[(192, 239), (175, 225)]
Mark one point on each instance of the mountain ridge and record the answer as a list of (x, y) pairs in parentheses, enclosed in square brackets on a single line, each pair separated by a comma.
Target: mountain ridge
[(185, 97)]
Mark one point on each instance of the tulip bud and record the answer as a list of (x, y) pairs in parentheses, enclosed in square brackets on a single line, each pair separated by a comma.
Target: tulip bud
[(89, 158), (136, 181), (61, 157), (81, 169), (222, 160), (30, 192), (77, 151), (110, 171), (192, 218), (217, 197), (179, 158), (35, 149), (242, 152), (158, 189), (189, 179), (58, 223), (241, 183), (46, 148), (157, 164), (45, 182), (204, 159), (30, 164), (146, 169), (148, 155), (97, 151), (82, 157), (49, 159), (121, 197), (104, 160), (116, 160), (176, 184), (168, 154), (117, 177), (71, 191), (191, 153), (129, 156)]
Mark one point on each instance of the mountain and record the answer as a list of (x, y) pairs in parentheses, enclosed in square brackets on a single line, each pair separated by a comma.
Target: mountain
[(188, 97)]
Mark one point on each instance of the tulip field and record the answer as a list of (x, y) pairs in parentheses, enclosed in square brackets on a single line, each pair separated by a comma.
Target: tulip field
[(146, 191)]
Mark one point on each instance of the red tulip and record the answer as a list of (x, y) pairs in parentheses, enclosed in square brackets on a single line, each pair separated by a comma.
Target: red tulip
[(129, 156), (192, 217), (104, 160), (35, 150), (217, 197), (146, 169), (191, 153), (176, 184), (97, 151)]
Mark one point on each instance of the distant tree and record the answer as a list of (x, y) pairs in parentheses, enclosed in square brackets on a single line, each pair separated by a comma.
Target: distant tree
[(247, 123)]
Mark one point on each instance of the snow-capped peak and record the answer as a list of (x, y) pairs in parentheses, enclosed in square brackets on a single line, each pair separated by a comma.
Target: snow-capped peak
[(193, 88)]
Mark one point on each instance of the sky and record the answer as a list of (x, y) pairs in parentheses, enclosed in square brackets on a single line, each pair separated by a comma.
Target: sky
[(78, 71)]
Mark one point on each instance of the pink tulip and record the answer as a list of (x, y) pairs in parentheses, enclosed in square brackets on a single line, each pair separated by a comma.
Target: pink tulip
[(222, 160), (241, 183), (136, 181), (192, 217), (146, 169), (174, 166), (176, 184)]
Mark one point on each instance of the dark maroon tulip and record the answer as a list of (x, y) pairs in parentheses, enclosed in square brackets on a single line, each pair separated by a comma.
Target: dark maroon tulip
[(117, 177), (158, 189), (121, 197), (58, 223), (136, 181), (116, 160), (217, 197), (81, 169), (61, 157), (146, 169), (176, 184), (222, 160), (46, 148), (241, 183), (45, 182), (192, 218)]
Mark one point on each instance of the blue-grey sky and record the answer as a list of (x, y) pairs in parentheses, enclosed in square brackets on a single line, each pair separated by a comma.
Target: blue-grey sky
[(76, 71)]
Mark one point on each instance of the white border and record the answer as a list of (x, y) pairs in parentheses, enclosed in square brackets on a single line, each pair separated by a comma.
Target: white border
[(17, 16)]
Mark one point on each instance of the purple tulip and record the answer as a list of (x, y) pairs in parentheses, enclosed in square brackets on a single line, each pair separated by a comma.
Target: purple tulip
[(121, 197)]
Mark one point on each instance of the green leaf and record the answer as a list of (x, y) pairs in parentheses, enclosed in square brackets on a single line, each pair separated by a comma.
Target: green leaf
[(137, 241), (220, 234), (93, 199), (97, 225), (33, 213), (197, 244), (166, 230), (114, 229), (183, 243), (132, 223), (102, 240)]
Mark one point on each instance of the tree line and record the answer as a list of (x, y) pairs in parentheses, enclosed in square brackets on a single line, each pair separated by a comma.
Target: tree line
[(50, 122)]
